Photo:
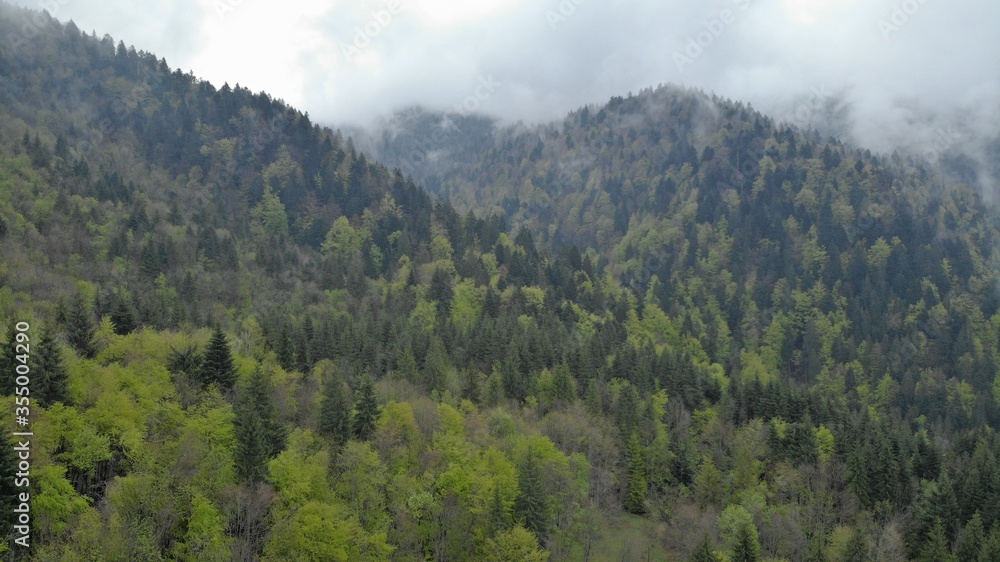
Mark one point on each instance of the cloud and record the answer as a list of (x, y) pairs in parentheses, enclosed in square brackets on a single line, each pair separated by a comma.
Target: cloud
[(894, 72)]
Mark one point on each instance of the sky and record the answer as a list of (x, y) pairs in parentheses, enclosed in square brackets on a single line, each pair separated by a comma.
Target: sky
[(922, 75)]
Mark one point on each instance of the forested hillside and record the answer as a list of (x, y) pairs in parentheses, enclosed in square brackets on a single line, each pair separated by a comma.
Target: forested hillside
[(251, 342)]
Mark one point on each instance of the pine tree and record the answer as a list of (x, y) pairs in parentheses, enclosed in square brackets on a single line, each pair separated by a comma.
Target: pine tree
[(80, 328), (366, 410), (217, 366), (638, 487), (335, 412), (49, 373)]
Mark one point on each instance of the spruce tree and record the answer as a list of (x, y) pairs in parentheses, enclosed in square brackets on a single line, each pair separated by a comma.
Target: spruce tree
[(49, 373), (217, 366), (258, 395), (747, 548), (531, 506), (990, 551), (251, 446), (260, 435), (80, 328), (971, 539), (703, 552), (638, 487), (935, 548), (335, 412), (366, 410)]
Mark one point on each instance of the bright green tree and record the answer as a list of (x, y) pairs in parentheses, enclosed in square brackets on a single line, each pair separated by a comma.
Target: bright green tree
[(515, 545)]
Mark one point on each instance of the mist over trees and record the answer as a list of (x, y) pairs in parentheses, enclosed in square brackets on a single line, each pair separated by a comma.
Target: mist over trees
[(665, 328)]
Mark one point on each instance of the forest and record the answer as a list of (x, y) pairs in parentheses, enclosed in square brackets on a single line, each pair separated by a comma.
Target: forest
[(665, 328)]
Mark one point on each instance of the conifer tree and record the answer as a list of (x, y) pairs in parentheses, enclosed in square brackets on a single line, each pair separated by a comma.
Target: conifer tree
[(747, 548), (531, 506), (703, 552), (366, 410), (935, 548), (638, 487), (971, 539), (335, 412), (260, 435), (217, 366), (49, 373), (80, 328), (259, 396), (251, 446)]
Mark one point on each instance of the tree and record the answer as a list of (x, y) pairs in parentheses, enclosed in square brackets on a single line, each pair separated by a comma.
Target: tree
[(747, 548), (638, 487), (858, 549), (366, 410), (217, 366), (335, 412), (49, 373), (739, 534), (971, 539), (441, 291), (259, 396), (515, 545), (251, 446), (935, 548), (80, 327), (531, 507), (703, 552), (260, 435)]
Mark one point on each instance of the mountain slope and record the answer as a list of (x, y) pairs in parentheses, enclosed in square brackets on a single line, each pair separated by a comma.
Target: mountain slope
[(252, 342)]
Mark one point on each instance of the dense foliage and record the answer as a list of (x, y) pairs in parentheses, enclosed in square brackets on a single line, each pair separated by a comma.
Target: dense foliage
[(255, 343)]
